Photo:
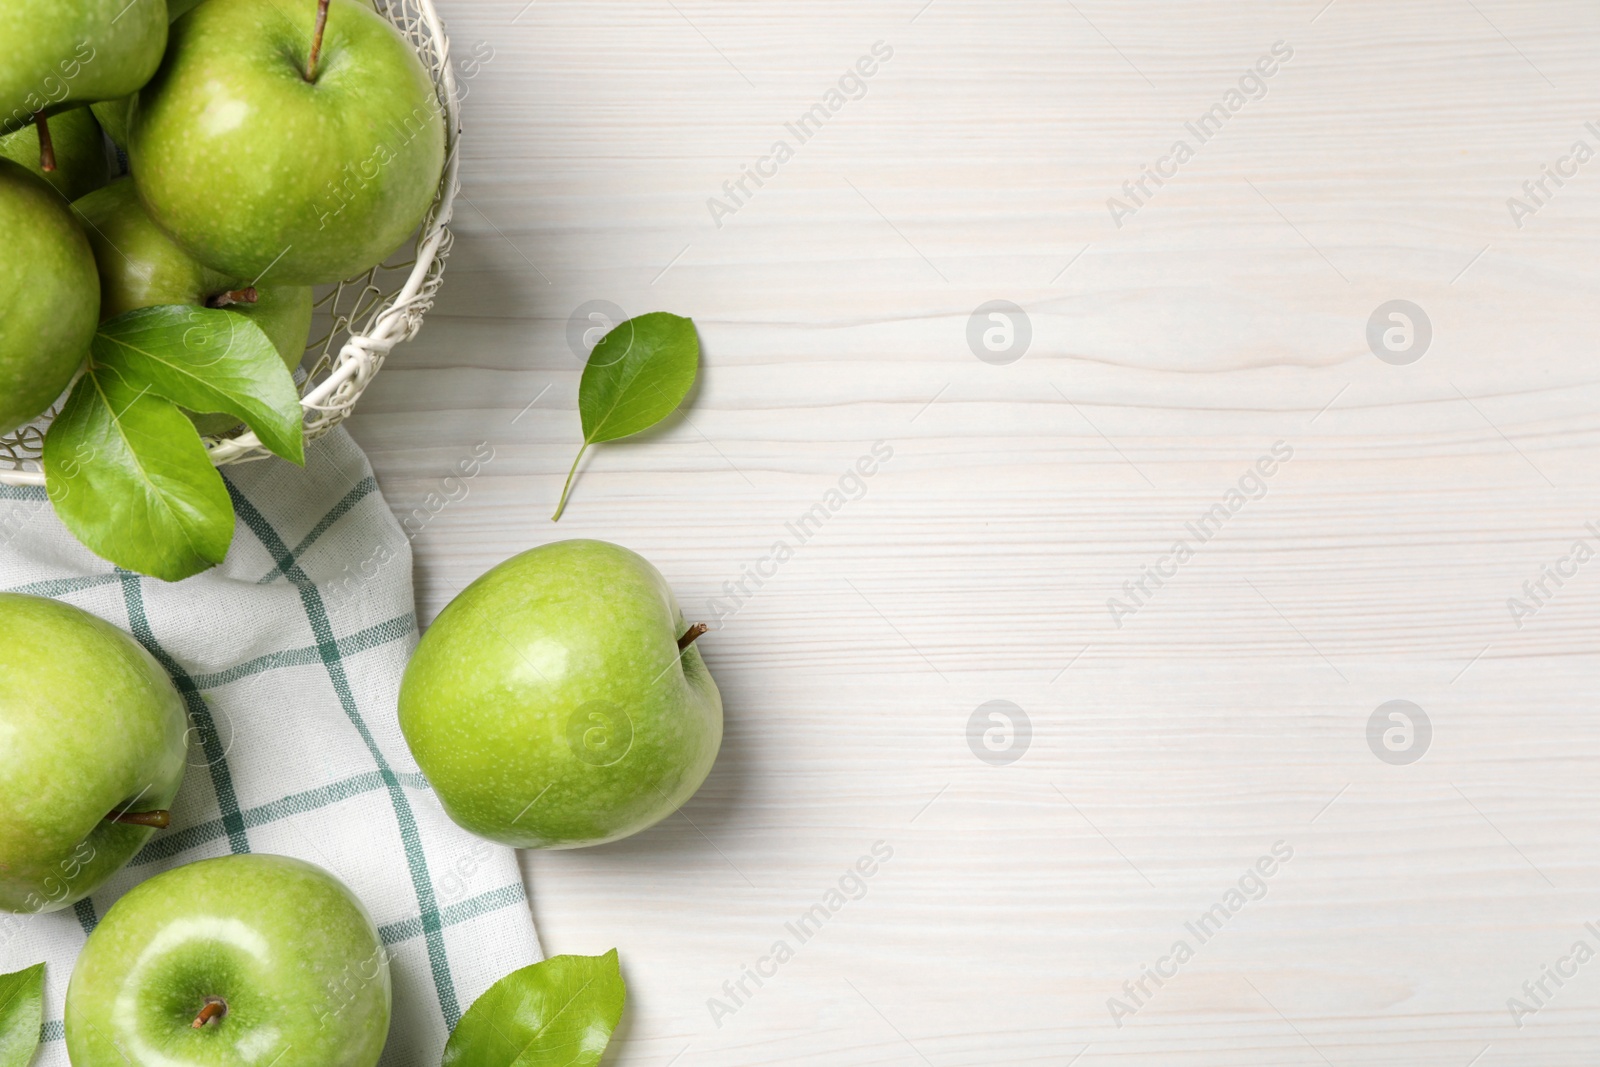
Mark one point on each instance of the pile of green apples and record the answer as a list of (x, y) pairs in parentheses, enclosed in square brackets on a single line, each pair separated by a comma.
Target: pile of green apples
[(559, 701), (272, 146)]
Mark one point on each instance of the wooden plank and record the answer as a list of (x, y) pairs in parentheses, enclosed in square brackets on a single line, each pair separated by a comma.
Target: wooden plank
[(1230, 710)]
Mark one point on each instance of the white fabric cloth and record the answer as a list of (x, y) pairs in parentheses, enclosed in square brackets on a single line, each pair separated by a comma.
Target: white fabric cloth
[(289, 658)]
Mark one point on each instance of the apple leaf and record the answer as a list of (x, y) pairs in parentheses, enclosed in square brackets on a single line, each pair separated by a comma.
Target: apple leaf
[(21, 1015), (208, 360), (559, 1013), (636, 376), (124, 466), (129, 476)]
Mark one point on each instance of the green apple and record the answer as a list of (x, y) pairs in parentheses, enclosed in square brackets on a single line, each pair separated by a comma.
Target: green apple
[(92, 746), (259, 170), (113, 114), (113, 118), (140, 266), (557, 702), (80, 152), (49, 295), (237, 961), (61, 53)]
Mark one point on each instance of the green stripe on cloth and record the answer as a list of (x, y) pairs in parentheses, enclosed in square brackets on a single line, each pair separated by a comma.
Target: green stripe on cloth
[(357, 492), (371, 637), (471, 908), (84, 910), (416, 860), (59, 587), (54, 1030), (199, 714), (168, 845)]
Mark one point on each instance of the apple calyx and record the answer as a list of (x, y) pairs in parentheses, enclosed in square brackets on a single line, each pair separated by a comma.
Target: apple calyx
[(47, 147), (247, 295), (691, 634), (214, 1008), (158, 820), (316, 40)]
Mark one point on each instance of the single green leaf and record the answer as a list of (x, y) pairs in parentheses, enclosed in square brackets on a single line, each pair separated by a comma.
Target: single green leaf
[(21, 1015), (129, 476), (636, 376), (559, 1013), (208, 360)]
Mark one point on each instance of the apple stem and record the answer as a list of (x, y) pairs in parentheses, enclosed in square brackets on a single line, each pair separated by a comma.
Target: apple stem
[(247, 295), (691, 634), (159, 820), (316, 40), (215, 1008), (47, 148), (565, 489)]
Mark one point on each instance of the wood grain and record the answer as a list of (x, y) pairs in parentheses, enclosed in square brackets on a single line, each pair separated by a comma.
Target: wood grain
[(1230, 711)]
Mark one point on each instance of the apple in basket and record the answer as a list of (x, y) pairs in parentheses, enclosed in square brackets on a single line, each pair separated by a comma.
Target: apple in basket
[(140, 266), (77, 156), (59, 53), (559, 701), (92, 745), (287, 142), (249, 959), (49, 295)]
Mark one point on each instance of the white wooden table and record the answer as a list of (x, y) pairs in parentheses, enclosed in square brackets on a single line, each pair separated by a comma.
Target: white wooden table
[(1230, 709)]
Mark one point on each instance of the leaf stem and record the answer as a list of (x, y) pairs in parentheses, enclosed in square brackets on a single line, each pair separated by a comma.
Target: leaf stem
[(565, 489)]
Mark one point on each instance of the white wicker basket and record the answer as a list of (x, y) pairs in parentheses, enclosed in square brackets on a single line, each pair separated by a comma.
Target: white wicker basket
[(361, 319)]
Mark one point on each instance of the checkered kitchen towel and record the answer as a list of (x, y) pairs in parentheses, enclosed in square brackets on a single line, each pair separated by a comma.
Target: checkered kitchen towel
[(289, 657)]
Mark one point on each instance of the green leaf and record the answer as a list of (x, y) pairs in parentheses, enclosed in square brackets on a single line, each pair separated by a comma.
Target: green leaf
[(21, 1015), (208, 360), (129, 476), (124, 466), (636, 376), (559, 1013)]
